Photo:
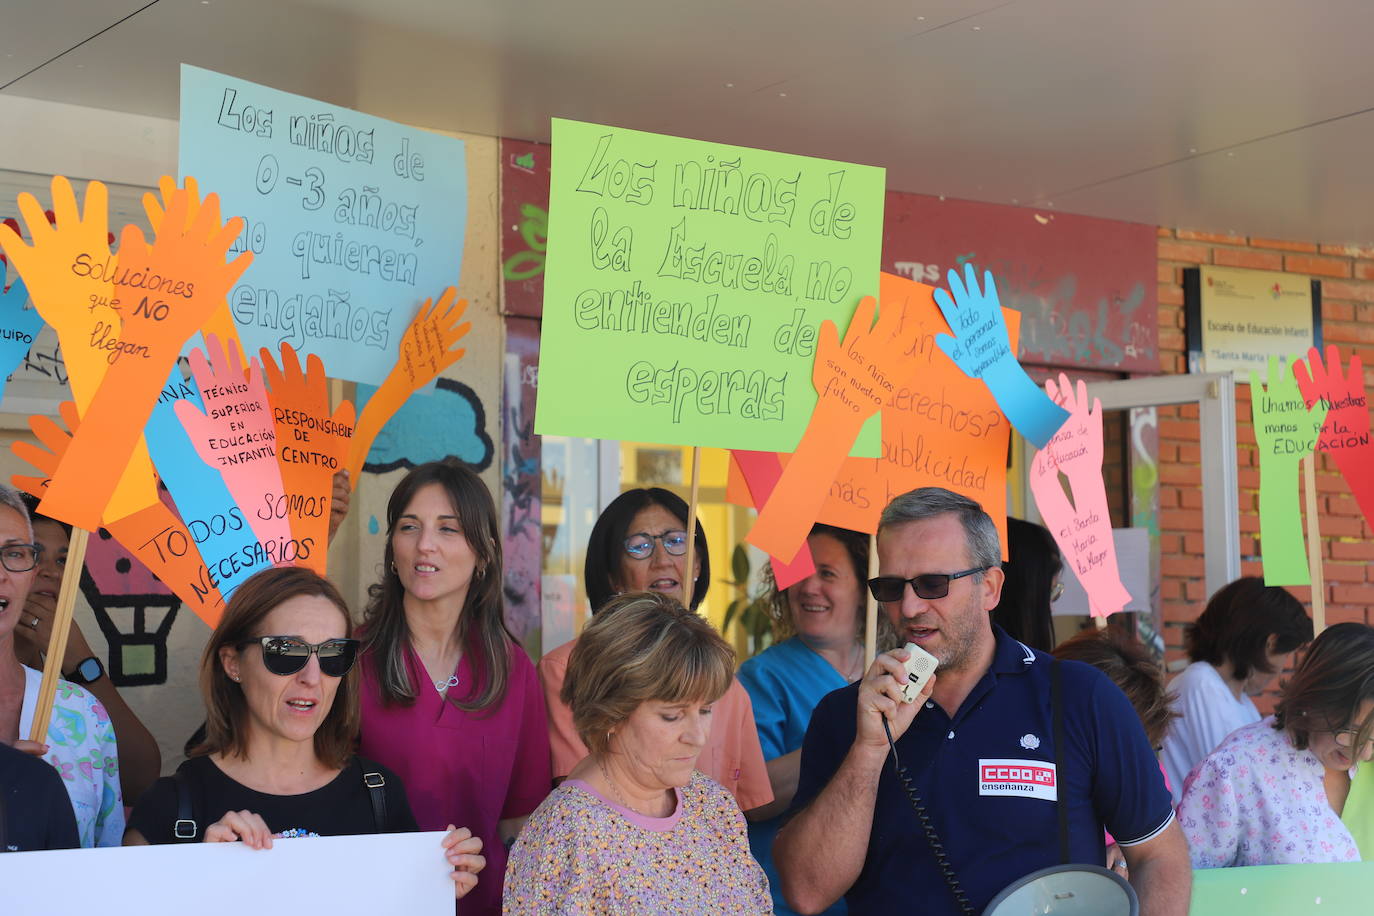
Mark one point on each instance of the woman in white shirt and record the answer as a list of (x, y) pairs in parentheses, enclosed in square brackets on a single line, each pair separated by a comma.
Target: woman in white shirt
[(1239, 644), (1274, 792)]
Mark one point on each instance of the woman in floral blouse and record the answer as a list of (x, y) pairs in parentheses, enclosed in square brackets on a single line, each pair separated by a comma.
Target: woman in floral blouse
[(1273, 792), (635, 829)]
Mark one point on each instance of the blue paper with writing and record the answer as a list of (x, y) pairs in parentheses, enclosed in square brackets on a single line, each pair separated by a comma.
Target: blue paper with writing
[(217, 523), (980, 347), (19, 327), (353, 220)]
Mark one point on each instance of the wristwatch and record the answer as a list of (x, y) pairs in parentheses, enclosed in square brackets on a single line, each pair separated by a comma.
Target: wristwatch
[(87, 671)]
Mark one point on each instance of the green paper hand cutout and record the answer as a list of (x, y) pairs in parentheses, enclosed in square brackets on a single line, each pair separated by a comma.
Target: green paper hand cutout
[(1286, 432)]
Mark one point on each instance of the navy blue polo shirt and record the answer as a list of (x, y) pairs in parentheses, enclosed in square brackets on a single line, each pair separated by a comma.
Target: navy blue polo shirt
[(987, 778), (36, 809)]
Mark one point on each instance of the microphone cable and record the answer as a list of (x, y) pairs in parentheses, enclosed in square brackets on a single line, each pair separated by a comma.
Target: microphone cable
[(936, 846)]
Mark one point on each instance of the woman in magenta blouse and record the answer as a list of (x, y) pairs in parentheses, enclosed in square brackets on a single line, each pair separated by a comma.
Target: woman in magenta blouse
[(450, 701)]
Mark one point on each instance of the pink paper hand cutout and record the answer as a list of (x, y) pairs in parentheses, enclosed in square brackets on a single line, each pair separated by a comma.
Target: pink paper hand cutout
[(236, 436), (1083, 528)]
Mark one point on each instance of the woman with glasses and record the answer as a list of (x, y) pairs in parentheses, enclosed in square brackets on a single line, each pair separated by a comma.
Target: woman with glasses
[(80, 743), (450, 700), (635, 829), (140, 761), (281, 723), (1273, 792), (639, 544), (818, 647)]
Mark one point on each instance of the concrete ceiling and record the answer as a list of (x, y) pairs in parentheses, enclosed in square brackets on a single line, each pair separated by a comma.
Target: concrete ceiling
[(1246, 116)]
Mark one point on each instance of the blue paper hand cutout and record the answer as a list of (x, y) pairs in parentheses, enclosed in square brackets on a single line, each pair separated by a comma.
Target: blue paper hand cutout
[(981, 348), (18, 328)]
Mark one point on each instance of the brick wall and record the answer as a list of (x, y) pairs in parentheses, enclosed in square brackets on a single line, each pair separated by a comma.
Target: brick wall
[(1347, 275)]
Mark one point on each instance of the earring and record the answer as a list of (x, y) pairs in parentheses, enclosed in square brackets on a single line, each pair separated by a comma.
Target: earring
[(234, 678), (393, 568)]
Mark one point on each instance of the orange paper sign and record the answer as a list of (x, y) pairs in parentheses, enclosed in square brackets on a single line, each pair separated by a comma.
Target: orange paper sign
[(221, 321), (312, 444), (68, 271), (940, 428), (163, 294), (853, 379), (427, 349), (152, 533)]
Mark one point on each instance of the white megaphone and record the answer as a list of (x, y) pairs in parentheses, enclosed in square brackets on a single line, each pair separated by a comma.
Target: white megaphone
[(1067, 890)]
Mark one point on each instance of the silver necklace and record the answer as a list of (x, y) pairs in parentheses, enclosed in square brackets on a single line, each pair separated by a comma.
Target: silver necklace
[(451, 681), (858, 662), (616, 790)]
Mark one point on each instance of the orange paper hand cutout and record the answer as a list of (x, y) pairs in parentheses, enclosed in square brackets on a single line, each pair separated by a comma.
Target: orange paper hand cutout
[(152, 533), (221, 321), (312, 445), (236, 436), (69, 271), (427, 349), (853, 379), (163, 295)]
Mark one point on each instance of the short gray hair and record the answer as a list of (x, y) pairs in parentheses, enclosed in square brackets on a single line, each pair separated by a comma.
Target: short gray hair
[(984, 547), (9, 496)]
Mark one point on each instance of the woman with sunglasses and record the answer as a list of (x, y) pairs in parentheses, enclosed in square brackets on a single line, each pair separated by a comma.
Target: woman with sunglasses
[(1274, 792), (818, 647), (450, 700), (639, 544), (80, 743), (281, 724)]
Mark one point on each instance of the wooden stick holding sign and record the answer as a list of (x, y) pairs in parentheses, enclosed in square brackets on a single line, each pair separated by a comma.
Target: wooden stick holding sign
[(1314, 545), (61, 628), (689, 587)]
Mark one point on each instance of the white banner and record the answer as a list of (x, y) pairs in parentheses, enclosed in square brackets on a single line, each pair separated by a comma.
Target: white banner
[(385, 873)]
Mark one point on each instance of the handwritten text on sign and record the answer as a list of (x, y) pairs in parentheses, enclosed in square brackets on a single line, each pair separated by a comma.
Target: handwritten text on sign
[(353, 219), (685, 282), (940, 427)]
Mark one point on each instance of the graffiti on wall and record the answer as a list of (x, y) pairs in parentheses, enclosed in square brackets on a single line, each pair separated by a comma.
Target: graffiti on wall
[(524, 225), (132, 607), (1144, 464), (1085, 287), (520, 478)]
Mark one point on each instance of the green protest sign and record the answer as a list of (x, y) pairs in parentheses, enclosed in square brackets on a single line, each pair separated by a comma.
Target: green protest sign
[(685, 282), (1286, 431), (1335, 889)]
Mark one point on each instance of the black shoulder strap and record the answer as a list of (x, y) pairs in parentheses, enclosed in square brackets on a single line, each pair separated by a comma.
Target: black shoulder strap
[(1061, 803), (185, 830), (376, 788)]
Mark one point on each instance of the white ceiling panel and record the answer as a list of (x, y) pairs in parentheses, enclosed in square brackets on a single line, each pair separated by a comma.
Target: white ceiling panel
[(1310, 184), (1114, 108), (34, 31)]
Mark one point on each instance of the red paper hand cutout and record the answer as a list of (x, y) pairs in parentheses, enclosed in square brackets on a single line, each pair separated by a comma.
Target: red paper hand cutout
[(1345, 433)]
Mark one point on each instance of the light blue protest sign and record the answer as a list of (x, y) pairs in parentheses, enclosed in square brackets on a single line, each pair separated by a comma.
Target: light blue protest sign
[(222, 534), (353, 220), (19, 325)]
